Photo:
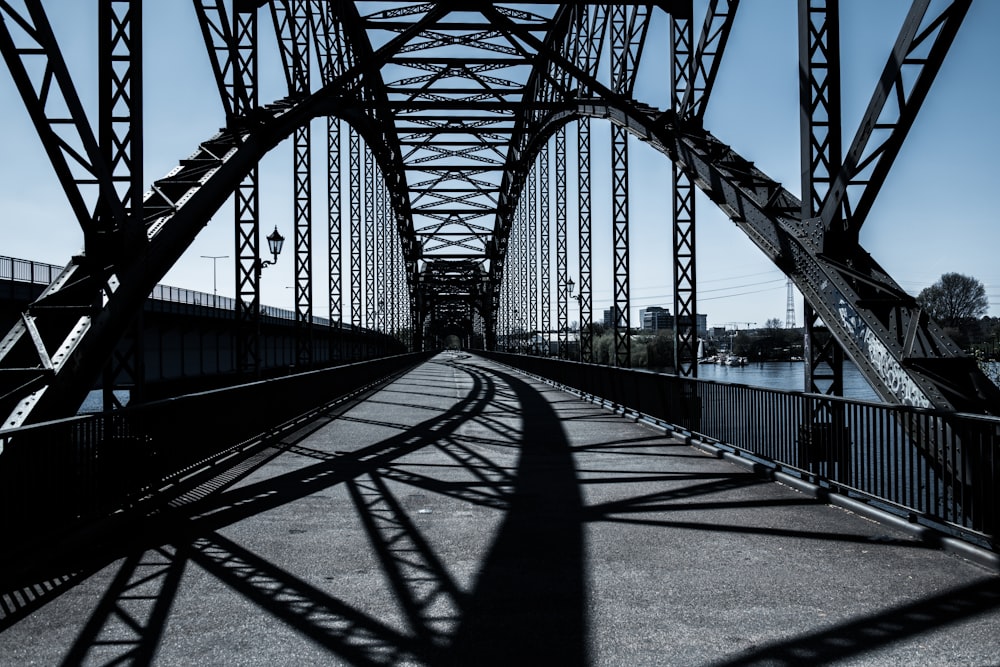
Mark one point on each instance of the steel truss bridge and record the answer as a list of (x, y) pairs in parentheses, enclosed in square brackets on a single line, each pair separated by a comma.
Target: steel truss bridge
[(456, 118)]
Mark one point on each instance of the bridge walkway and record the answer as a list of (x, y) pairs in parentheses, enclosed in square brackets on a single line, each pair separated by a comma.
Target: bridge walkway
[(468, 515)]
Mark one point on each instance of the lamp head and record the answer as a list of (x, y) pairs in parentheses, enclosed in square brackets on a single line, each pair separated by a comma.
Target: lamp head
[(275, 241)]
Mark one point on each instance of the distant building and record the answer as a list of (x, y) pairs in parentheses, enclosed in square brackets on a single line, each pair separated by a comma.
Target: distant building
[(609, 321), (701, 323), (655, 319)]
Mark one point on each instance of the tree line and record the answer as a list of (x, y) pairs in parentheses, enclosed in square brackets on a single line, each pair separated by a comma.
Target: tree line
[(957, 302)]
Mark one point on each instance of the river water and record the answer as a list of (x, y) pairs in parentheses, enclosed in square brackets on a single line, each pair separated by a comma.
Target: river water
[(784, 375)]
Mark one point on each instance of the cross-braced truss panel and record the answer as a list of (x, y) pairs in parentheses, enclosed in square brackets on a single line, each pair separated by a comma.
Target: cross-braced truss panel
[(450, 108)]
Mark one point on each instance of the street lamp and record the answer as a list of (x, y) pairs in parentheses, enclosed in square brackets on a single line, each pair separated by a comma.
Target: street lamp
[(579, 300), (215, 292), (275, 241)]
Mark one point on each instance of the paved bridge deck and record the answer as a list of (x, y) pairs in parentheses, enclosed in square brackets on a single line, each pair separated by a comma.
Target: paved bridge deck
[(468, 515)]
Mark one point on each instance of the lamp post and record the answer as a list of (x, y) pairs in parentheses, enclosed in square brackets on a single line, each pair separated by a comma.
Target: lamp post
[(275, 241), (215, 292), (570, 285)]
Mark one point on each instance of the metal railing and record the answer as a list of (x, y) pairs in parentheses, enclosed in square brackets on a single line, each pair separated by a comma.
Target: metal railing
[(57, 474), (38, 273), (26, 271), (938, 469)]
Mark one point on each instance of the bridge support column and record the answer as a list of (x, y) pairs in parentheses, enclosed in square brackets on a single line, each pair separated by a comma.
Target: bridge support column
[(531, 259), (585, 212), (562, 323), (821, 154), (120, 131), (371, 222), (354, 144), (544, 248), (684, 270), (244, 99), (628, 31), (334, 214)]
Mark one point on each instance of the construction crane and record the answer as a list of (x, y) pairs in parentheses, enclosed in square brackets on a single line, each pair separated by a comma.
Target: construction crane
[(735, 331), (736, 325)]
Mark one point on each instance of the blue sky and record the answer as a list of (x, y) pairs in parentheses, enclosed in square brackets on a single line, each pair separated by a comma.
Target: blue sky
[(936, 213)]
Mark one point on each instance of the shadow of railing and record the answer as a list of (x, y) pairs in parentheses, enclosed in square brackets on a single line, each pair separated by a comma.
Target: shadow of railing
[(61, 474), (929, 467), (526, 601)]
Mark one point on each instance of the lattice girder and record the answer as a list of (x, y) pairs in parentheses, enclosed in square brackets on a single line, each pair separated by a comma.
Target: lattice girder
[(475, 92)]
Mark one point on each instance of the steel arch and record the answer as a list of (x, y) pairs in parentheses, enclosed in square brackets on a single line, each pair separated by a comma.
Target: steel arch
[(415, 125)]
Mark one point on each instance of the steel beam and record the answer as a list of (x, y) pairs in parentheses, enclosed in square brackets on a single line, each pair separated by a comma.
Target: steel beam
[(370, 216), (625, 48), (120, 131), (821, 156), (356, 152), (915, 60), (531, 259), (54, 106), (544, 246), (243, 82), (562, 320), (683, 228), (584, 208), (717, 26), (381, 257), (220, 44), (335, 218)]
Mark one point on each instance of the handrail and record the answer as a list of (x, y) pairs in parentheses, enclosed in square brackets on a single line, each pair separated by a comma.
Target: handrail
[(38, 273), (874, 452), (55, 475)]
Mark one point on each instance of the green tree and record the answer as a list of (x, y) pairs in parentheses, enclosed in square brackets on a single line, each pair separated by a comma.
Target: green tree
[(953, 299)]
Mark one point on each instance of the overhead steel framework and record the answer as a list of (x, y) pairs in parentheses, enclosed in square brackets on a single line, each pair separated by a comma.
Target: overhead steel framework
[(450, 110)]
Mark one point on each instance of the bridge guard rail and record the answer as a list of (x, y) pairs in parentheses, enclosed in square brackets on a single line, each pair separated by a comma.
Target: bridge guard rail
[(940, 470), (57, 474)]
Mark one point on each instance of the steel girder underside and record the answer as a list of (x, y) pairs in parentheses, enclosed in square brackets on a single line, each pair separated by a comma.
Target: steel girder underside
[(455, 102)]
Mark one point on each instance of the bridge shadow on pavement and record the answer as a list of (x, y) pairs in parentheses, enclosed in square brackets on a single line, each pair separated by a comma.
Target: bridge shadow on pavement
[(466, 515)]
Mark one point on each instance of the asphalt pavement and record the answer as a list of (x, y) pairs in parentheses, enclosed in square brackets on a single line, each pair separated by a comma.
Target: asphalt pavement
[(465, 514)]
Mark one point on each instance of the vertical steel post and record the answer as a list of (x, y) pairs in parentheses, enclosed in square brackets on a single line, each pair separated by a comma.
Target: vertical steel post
[(683, 229), (120, 139), (821, 155), (593, 26), (247, 198), (562, 318), (517, 300), (621, 308), (354, 144), (544, 252), (298, 48), (303, 248), (334, 213), (381, 257), (585, 207), (370, 220), (531, 257)]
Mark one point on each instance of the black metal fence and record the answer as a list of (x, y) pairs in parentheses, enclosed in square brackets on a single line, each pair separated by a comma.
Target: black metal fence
[(935, 468), (56, 474), (26, 271), (38, 273)]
